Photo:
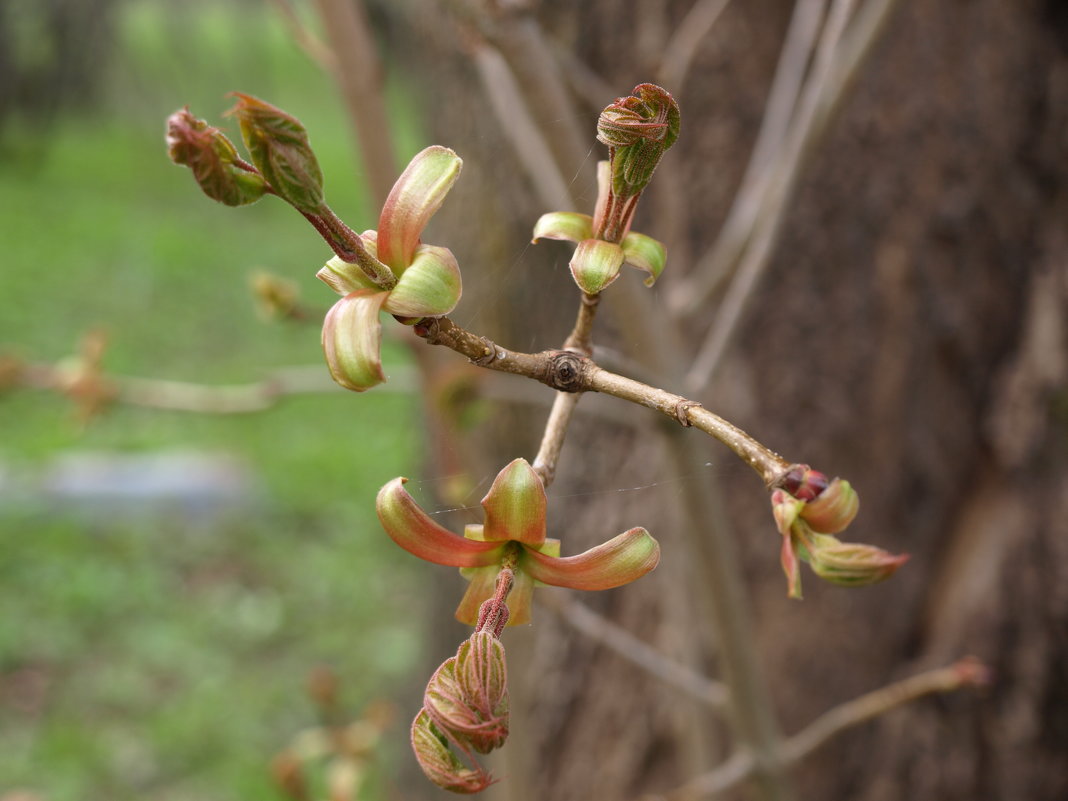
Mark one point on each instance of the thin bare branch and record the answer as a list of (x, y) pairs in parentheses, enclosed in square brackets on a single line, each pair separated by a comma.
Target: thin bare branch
[(715, 265), (314, 47), (552, 440), (359, 75), (967, 672), (682, 46), (839, 57), (185, 396), (635, 650), (520, 128), (571, 372)]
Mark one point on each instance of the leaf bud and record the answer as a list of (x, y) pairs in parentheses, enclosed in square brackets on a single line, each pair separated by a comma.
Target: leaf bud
[(851, 564), (216, 166), (278, 144)]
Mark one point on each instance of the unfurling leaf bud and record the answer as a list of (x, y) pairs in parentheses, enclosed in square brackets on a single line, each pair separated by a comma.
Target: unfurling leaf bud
[(465, 706), (808, 510), (278, 144), (639, 128), (440, 764), (467, 696), (483, 679), (216, 166)]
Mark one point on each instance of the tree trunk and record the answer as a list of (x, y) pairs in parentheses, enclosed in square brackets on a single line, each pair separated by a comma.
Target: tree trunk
[(909, 334)]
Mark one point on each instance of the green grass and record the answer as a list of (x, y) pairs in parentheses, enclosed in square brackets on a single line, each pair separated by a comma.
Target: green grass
[(150, 655)]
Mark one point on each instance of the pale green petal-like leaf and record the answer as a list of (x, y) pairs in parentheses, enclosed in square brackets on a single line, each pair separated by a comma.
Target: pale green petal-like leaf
[(417, 194), (515, 506), (343, 277), (645, 253), (619, 561), (430, 287), (851, 564), (596, 264), (568, 225), (413, 530), (352, 337)]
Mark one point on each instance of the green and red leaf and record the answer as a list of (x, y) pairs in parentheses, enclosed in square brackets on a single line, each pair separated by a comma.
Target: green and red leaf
[(621, 560), (414, 531), (516, 505), (415, 197)]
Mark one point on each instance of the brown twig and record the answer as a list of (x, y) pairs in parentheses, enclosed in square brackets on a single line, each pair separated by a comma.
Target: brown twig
[(682, 46), (714, 266), (519, 126), (967, 672), (184, 396), (839, 55), (552, 441), (599, 629), (567, 371)]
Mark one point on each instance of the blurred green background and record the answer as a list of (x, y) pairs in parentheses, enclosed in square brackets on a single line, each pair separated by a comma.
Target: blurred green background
[(154, 651)]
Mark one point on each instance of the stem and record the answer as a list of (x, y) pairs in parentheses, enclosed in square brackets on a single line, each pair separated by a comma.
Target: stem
[(349, 247), (571, 372), (552, 441), (768, 464)]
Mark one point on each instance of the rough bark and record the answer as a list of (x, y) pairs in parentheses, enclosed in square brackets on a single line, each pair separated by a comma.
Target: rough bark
[(910, 334)]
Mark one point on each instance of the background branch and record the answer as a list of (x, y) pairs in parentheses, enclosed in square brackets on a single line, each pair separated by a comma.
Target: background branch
[(968, 672)]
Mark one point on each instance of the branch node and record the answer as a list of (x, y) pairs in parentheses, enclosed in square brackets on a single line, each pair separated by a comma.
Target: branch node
[(490, 353), (682, 411), (565, 371)]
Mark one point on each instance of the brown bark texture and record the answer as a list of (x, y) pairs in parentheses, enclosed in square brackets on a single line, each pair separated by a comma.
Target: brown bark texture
[(910, 334)]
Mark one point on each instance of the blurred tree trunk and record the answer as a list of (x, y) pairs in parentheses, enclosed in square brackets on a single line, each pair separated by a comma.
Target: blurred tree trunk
[(910, 335), (53, 54)]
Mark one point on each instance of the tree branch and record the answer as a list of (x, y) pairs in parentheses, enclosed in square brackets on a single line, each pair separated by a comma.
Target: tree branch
[(616, 638), (967, 672), (567, 371)]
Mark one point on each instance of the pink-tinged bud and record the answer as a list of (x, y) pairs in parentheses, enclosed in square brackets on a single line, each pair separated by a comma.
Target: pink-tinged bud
[(440, 764), (833, 509), (803, 482), (278, 144), (851, 564), (216, 166)]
